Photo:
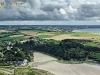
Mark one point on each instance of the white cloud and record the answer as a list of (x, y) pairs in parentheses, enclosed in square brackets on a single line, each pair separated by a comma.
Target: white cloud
[(84, 10), (88, 2), (35, 4), (62, 11), (71, 9), (83, 1)]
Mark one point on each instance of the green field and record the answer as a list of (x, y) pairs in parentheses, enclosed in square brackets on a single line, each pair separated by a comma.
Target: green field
[(6, 36), (12, 39)]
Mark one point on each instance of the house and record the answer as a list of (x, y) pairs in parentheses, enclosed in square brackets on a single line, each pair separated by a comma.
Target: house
[(22, 63), (9, 43), (8, 48), (9, 62)]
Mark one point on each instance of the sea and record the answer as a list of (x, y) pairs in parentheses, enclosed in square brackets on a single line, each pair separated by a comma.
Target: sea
[(91, 30)]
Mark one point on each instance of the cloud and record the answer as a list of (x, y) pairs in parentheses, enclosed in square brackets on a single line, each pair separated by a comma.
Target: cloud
[(62, 11), (84, 1), (78, 10), (71, 9), (35, 4)]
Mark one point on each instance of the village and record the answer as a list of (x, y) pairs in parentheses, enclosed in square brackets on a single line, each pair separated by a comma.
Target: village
[(11, 55)]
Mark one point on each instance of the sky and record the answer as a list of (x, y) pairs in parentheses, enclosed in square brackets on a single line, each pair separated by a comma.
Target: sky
[(60, 12)]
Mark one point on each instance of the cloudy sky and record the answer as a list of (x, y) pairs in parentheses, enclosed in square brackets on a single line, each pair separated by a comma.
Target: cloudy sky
[(51, 11)]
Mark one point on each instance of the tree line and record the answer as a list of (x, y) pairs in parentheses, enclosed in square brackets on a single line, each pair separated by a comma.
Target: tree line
[(68, 49)]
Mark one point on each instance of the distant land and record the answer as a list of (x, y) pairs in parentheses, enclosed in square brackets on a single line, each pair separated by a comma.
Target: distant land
[(49, 49)]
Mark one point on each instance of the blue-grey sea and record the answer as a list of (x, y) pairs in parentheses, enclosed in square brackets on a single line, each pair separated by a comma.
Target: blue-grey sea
[(92, 30)]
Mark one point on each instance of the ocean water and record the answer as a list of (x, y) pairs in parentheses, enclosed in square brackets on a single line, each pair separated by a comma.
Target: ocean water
[(92, 30)]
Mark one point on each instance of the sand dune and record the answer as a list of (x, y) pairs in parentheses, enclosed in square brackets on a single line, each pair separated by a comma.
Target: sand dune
[(45, 62)]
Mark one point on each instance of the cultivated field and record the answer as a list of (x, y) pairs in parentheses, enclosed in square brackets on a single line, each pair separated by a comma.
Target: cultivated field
[(29, 33), (75, 35), (62, 35), (37, 33), (66, 36), (1, 31), (47, 63), (16, 35)]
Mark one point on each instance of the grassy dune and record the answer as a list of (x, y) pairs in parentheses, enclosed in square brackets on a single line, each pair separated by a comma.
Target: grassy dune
[(23, 71), (2, 74)]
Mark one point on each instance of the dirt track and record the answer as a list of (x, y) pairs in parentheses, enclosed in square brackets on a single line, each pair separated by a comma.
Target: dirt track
[(45, 62)]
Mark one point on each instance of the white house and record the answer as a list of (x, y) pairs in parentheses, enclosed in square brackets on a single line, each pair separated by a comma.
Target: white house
[(8, 48), (22, 63)]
